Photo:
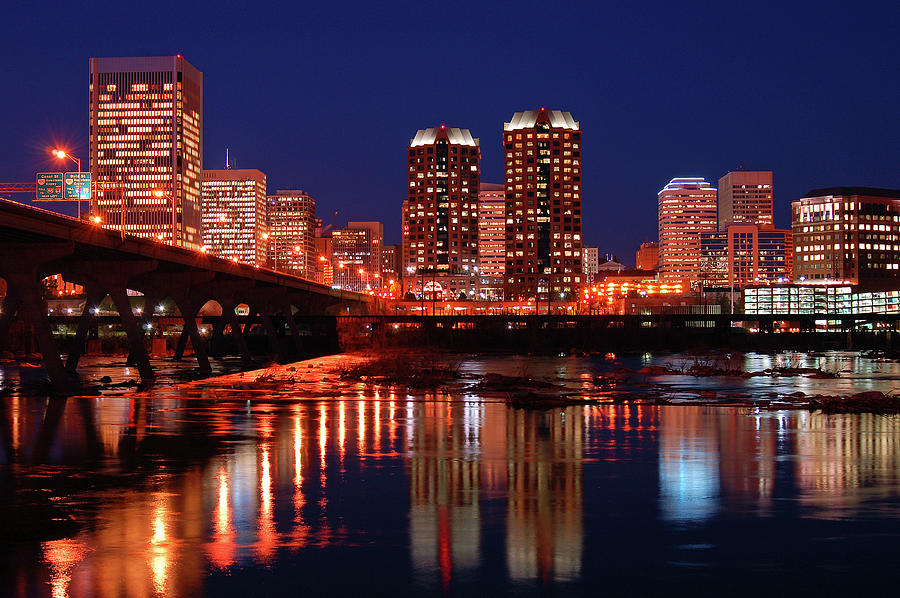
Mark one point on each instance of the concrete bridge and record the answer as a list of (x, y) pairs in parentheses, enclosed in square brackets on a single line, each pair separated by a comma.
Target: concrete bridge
[(36, 243)]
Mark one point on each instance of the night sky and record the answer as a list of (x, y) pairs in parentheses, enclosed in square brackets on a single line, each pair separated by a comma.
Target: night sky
[(325, 96)]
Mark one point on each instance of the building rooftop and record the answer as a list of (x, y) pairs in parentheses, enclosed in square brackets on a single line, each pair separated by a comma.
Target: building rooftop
[(866, 191), (528, 118), (687, 182), (491, 187), (455, 135)]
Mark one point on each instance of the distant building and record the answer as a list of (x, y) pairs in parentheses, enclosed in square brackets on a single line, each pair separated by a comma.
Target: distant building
[(292, 226), (391, 262), (590, 260), (744, 254), (647, 257), (746, 197), (687, 208), (234, 214), (356, 255), (492, 229), (323, 264), (440, 213), (146, 147), (849, 235), (543, 205)]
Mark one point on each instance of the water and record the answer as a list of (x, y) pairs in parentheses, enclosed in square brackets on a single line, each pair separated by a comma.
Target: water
[(339, 489)]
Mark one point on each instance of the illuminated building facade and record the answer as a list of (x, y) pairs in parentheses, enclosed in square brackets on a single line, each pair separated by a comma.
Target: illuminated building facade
[(146, 147), (390, 262), (356, 255), (743, 254), (647, 257), (292, 229), (492, 229), (746, 197), (234, 214), (543, 205), (821, 299), (440, 214), (591, 262), (687, 208), (848, 234)]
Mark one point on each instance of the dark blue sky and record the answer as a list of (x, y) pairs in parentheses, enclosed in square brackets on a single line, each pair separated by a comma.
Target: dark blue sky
[(325, 96)]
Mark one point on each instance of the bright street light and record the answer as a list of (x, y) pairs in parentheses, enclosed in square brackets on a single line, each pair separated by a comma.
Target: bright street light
[(62, 155)]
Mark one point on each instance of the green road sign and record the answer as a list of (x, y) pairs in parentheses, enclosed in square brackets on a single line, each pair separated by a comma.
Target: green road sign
[(74, 183), (49, 186)]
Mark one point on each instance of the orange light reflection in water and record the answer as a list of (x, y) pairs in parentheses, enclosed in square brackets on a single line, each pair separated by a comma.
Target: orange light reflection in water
[(361, 408), (62, 556), (159, 552), (267, 536), (342, 427), (222, 548)]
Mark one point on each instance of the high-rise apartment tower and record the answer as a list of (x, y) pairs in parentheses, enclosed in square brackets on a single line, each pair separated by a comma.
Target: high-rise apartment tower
[(686, 208), (234, 214), (543, 205), (292, 232), (746, 197)]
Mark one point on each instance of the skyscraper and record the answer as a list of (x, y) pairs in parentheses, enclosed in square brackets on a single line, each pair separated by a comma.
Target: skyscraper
[(744, 254), (686, 208), (543, 205), (234, 214), (746, 197), (440, 214), (292, 232), (146, 146)]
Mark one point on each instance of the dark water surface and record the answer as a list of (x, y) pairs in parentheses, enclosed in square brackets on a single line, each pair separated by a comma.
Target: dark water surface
[(369, 492)]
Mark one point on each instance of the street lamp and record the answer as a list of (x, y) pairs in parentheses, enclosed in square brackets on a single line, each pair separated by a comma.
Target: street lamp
[(62, 155)]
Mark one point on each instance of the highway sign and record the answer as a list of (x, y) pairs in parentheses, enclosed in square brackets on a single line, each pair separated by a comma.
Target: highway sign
[(49, 186), (74, 183)]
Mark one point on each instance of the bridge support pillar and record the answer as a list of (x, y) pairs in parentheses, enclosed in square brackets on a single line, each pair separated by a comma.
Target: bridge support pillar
[(93, 296), (11, 304), (132, 329), (237, 332), (275, 350), (189, 309)]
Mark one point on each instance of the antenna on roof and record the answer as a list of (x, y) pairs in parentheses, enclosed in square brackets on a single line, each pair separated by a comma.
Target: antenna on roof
[(227, 163)]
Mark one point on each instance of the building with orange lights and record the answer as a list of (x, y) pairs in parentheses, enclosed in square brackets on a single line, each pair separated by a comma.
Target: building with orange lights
[(440, 213), (234, 214), (647, 257), (687, 209), (746, 197), (848, 234), (146, 147), (356, 256), (543, 205), (492, 229), (292, 230)]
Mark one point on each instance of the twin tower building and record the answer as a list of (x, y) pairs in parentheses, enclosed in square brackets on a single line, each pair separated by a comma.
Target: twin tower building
[(541, 234)]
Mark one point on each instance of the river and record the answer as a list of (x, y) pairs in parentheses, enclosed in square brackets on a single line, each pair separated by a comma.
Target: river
[(219, 488)]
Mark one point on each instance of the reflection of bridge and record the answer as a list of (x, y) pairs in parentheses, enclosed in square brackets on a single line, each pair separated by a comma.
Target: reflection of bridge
[(35, 244)]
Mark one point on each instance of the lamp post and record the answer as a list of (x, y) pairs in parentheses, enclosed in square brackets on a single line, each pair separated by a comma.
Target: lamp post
[(62, 155)]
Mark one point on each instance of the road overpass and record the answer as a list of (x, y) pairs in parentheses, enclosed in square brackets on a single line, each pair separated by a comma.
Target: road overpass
[(37, 243)]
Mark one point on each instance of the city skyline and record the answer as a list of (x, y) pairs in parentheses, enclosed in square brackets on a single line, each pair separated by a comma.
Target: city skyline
[(670, 115)]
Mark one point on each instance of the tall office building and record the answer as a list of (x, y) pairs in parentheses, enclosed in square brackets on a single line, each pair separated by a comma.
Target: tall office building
[(647, 257), (848, 234), (356, 255), (687, 208), (492, 229), (146, 147), (390, 262), (543, 205), (292, 232), (234, 214), (746, 197), (440, 214)]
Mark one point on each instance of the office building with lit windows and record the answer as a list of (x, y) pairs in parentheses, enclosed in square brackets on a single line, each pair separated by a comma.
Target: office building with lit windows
[(647, 257), (146, 147), (848, 235), (356, 256), (234, 215), (440, 213), (543, 205), (492, 229), (292, 232), (686, 209), (744, 254), (746, 197)]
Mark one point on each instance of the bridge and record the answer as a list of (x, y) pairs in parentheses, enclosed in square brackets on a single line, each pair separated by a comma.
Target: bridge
[(36, 243)]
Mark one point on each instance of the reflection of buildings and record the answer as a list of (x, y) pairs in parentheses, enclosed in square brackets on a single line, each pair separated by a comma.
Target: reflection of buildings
[(445, 514), (544, 520)]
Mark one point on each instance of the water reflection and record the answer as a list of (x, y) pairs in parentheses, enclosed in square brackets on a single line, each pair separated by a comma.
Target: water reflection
[(161, 496)]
